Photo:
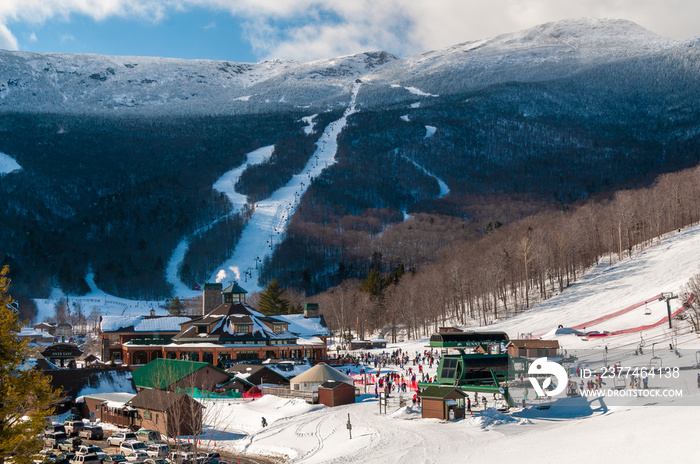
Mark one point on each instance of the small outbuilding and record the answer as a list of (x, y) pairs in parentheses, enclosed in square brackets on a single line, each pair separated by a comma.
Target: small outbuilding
[(443, 402), (334, 393), (317, 375)]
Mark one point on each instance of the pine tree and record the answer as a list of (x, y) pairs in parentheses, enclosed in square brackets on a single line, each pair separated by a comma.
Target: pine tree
[(26, 396), (176, 308), (271, 301)]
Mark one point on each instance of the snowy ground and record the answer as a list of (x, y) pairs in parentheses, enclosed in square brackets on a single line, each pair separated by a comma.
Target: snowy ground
[(572, 430)]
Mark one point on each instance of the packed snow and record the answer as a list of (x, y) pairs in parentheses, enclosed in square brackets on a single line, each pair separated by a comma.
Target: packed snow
[(8, 164)]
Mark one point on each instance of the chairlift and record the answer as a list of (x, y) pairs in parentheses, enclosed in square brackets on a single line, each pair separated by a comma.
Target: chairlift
[(655, 363), (619, 382), (647, 310)]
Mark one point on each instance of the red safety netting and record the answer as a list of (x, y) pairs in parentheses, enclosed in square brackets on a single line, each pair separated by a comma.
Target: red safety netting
[(661, 321), (616, 313)]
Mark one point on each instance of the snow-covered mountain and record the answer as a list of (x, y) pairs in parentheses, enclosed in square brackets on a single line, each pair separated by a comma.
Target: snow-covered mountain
[(85, 83), (120, 156)]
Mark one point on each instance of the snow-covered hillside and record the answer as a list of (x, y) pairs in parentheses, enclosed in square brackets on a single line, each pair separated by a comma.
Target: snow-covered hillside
[(79, 83), (576, 430)]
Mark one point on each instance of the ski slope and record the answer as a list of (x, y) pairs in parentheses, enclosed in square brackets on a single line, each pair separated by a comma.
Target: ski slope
[(227, 185), (573, 430), (268, 224)]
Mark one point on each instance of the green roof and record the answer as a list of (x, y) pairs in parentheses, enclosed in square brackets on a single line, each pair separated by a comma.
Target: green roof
[(161, 373), (439, 392)]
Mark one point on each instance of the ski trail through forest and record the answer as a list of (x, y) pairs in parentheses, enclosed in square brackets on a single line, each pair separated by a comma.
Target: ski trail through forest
[(268, 224)]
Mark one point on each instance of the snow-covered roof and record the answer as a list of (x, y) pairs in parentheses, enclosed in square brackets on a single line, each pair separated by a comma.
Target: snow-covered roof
[(320, 373), (113, 399), (143, 323), (306, 327)]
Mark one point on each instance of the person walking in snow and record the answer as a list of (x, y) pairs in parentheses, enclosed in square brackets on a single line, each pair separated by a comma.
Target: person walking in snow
[(264, 422)]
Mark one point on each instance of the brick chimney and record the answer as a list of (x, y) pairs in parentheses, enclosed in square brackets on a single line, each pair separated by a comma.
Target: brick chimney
[(211, 297)]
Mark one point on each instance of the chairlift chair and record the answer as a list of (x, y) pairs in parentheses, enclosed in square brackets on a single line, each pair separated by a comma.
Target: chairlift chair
[(647, 310)]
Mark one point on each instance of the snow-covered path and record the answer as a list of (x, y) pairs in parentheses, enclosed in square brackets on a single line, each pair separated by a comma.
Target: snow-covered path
[(225, 184), (267, 226), (444, 189)]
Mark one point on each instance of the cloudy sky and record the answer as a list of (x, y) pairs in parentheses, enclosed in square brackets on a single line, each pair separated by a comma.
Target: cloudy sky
[(254, 30)]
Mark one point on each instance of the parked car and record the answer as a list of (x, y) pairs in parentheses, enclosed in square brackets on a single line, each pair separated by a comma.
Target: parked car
[(136, 456), (54, 427), (65, 458), (209, 457), (182, 457), (73, 427), (155, 461), (157, 449), (145, 435), (91, 449), (85, 459), (130, 446), (92, 432), (45, 457), (70, 444), (113, 459), (117, 438), (52, 439)]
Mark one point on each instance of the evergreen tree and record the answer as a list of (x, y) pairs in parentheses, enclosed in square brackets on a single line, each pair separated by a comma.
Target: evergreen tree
[(271, 301), (26, 396), (176, 308)]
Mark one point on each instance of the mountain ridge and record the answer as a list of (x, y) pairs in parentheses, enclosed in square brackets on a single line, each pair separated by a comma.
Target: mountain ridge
[(98, 83)]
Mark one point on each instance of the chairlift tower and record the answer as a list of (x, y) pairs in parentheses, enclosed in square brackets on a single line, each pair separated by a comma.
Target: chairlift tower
[(668, 296)]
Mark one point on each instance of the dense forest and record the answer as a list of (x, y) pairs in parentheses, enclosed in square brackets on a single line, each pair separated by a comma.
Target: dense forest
[(514, 266), (114, 196)]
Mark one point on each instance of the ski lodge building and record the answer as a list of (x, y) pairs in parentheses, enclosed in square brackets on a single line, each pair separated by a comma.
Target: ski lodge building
[(228, 330)]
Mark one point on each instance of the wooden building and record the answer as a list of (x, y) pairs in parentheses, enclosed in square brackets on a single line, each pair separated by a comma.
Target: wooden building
[(173, 374), (332, 393), (533, 348), (443, 402), (230, 331), (170, 413), (109, 408), (257, 374)]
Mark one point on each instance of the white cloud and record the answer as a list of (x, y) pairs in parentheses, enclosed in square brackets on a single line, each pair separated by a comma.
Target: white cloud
[(32, 37), (308, 29), (7, 40)]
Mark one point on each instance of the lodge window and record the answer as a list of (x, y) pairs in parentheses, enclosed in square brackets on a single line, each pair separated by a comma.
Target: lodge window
[(147, 415), (156, 418), (279, 328), (244, 328), (202, 329)]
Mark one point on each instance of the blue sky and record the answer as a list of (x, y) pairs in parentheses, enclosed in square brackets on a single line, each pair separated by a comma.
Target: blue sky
[(254, 30)]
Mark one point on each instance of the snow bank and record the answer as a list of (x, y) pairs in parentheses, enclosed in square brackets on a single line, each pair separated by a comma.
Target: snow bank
[(493, 417)]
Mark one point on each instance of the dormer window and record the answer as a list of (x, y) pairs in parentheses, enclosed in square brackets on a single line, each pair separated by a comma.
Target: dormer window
[(279, 328), (202, 329), (243, 328)]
